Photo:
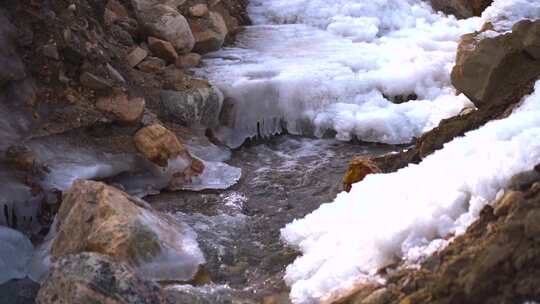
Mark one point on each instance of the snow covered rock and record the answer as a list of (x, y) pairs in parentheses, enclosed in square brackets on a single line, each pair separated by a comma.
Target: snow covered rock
[(485, 65), (15, 254), (95, 278), (461, 8), (98, 218)]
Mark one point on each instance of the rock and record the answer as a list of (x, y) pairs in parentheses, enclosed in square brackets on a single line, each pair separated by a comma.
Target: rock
[(96, 278), (193, 107), (164, 22), (95, 217), (121, 107), (152, 65), (484, 66), (162, 49), (209, 34), (136, 56), (188, 61), (114, 10), (159, 145), (19, 291), (51, 51), (358, 169), (198, 10), (379, 296), (11, 65), (461, 8), (94, 82)]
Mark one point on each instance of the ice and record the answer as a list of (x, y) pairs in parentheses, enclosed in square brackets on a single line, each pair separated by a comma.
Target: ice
[(324, 67), (15, 254), (407, 214), (216, 175)]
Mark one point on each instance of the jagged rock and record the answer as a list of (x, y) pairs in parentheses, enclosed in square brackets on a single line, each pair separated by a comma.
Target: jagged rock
[(95, 82), (165, 22), (159, 145), (209, 34), (193, 107), (198, 10), (358, 169), (122, 107), (136, 56), (188, 61), (461, 8), (95, 278), (493, 67), (162, 49), (95, 217)]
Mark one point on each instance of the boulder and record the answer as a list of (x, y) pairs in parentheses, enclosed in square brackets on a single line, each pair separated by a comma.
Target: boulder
[(488, 70), (193, 107), (164, 22), (160, 145), (95, 217), (198, 10), (162, 49), (188, 61), (121, 107), (358, 169), (461, 8), (96, 278), (209, 33)]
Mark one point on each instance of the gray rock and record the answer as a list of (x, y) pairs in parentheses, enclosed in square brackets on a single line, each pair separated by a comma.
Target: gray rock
[(11, 66), (94, 82), (193, 107), (96, 278)]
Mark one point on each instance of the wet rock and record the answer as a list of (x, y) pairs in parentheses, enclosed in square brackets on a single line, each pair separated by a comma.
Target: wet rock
[(162, 49), (98, 218), (136, 56), (209, 34), (96, 278), (164, 22), (152, 65), (358, 169), (193, 107), (19, 291), (484, 66), (95, 82), (15, 254), (121, 107), (22, 157), (160, 145), (11, 66), (188, 61), (198, 10), (461, 8)]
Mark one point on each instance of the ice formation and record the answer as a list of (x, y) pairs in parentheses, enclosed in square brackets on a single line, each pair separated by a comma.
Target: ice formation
[(347, 241), (15, 254), (316, 67)]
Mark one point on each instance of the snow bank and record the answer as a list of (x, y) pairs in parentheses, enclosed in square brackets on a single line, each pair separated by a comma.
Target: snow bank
[(337, 68), (503, 14), (405, 215)]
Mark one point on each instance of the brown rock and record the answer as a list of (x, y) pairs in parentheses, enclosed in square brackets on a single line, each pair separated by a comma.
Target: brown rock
[(461, 8), (159, 145), (188, 61), (359, 168), (98, 218), (136, 56), (162, 49), (121, 107), (209, 34), (96, 278), (51, 51), (114, 10), (22, 157), (198, 10), (152, 65)]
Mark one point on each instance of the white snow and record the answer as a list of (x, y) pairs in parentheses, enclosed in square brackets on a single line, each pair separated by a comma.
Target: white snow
[(15, 254), (503, 14), (319, 66), (406, 214)]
